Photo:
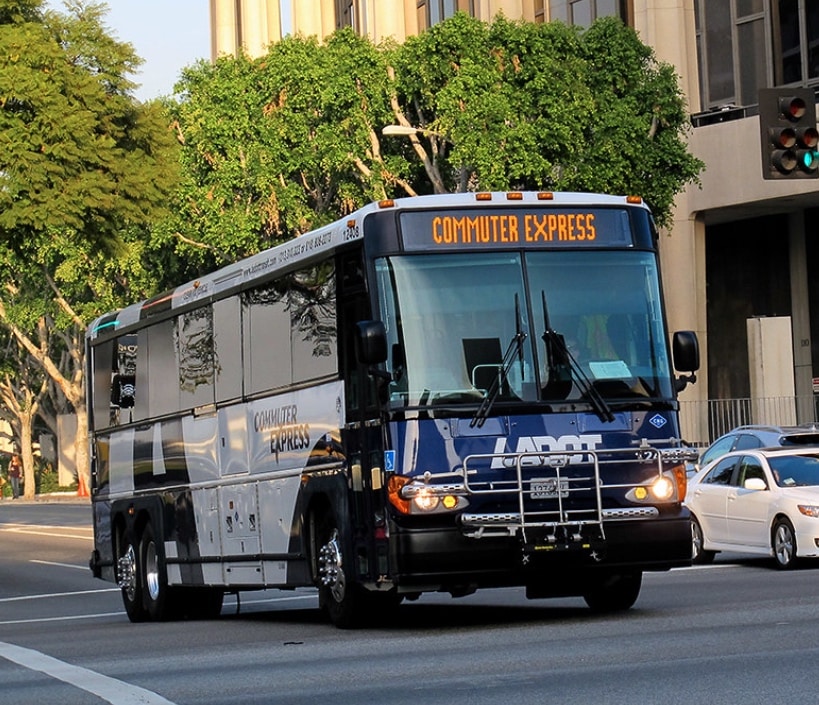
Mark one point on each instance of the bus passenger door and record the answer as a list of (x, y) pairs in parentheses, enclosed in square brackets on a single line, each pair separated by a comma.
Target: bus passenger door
[(363, 432)]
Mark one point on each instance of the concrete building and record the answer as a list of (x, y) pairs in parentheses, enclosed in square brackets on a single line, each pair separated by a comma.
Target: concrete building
[(741, 260)]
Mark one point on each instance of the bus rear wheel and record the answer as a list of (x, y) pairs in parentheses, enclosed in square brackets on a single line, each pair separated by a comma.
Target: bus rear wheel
[(615, 592), (128, 580), (157, 597)]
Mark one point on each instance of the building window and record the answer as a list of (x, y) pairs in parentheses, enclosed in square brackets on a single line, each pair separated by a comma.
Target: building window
[(540, 11), (745, 45), (796, 40), (584, 12), (432, 12), (345, 14)]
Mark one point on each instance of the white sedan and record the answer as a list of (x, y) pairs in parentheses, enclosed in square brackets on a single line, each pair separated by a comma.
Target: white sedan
[(763, 501)]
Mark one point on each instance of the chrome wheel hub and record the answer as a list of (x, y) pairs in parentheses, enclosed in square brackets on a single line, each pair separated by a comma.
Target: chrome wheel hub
[(330, 570), (126, 572)]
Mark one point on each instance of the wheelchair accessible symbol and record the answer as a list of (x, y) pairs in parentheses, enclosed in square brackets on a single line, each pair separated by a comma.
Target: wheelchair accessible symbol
[(389, 460)]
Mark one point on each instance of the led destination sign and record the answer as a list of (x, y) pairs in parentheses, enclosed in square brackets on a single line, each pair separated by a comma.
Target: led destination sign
[(552, 227)]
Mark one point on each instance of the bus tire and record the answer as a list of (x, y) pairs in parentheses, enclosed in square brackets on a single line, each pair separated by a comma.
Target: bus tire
[(614, 592), (128, 576), (157, 597), (339, 595)]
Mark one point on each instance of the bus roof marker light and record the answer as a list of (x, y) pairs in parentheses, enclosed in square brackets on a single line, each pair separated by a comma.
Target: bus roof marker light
[(514, 196), (545, 196), (386, 203), (483, 196), (634, 199)]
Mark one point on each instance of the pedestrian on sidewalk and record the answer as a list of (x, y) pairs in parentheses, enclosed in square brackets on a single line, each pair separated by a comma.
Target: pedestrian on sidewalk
[(15, 473)]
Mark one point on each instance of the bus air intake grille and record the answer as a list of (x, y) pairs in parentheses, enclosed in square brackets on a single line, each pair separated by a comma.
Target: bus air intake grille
[(631, 513)]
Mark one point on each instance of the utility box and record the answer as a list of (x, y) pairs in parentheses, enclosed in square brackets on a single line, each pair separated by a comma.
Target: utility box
[(770, 365)]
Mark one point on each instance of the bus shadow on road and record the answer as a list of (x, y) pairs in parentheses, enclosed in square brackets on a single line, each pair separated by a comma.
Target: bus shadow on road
[(429, 616)]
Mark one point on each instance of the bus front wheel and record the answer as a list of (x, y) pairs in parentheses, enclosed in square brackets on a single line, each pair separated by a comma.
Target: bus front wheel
[(339, 595)]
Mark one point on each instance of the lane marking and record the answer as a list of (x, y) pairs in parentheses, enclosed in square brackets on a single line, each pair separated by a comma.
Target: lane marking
[(112, 690), (67, 618), (34, 531), (60, 565), (22, 598)]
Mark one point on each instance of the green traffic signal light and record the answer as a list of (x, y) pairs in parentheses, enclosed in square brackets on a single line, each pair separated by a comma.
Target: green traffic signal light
[(789, 136), (808, 160)]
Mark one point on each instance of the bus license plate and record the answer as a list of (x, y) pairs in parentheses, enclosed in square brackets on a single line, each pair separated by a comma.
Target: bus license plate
[(548, 488)]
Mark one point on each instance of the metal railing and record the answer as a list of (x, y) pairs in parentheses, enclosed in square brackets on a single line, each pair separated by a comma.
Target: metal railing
[(703, 421)]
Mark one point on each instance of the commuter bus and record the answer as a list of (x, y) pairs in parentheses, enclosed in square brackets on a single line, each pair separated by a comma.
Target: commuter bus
[(439, 393)]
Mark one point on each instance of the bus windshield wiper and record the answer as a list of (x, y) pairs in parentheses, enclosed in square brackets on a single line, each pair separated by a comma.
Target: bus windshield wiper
[(514, 349), (560, 355)]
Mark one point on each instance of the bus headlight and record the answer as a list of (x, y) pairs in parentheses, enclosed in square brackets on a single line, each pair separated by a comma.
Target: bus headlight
[(662, 488), (409, 496), (668, 487), (426, 500)]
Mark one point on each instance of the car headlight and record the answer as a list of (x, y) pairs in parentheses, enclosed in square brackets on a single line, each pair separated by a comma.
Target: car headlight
[(809, 510)]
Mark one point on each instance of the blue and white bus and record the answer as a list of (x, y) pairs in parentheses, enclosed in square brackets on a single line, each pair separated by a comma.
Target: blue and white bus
[(440, 393)]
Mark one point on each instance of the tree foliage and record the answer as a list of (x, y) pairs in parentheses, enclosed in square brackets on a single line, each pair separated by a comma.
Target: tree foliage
[(275, 146), (76, 151), (84, 169), (548, 106)]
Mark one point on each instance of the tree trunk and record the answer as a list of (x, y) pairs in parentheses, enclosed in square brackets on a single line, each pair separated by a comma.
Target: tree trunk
[(81, 453), (27, 457)]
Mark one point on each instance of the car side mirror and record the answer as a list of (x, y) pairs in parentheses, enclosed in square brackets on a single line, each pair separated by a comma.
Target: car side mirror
[(755, 483)]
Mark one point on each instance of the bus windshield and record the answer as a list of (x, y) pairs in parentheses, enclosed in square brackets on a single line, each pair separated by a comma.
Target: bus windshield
[(554, 326)]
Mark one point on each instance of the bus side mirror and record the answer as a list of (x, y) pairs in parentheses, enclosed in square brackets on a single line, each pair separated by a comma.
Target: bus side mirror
[(686, 353), (371, 342)]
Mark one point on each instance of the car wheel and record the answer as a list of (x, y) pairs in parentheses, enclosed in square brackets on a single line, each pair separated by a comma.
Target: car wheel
[(615, 592), (783, 543), (699, 555)]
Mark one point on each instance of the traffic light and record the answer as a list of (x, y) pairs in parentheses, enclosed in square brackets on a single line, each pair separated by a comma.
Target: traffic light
[(790, 140)]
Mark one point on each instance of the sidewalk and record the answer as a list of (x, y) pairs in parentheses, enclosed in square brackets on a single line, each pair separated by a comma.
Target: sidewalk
[(53, 498)]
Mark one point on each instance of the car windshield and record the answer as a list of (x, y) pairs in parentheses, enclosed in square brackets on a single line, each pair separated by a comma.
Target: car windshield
[(795, 470)]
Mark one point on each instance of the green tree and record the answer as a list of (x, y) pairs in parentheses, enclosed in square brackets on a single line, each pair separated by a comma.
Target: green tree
[(275, 146), (278, 145), (544, 106), (84, 169)]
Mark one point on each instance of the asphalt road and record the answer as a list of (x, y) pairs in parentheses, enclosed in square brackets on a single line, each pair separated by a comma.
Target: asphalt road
[(735, 632)]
